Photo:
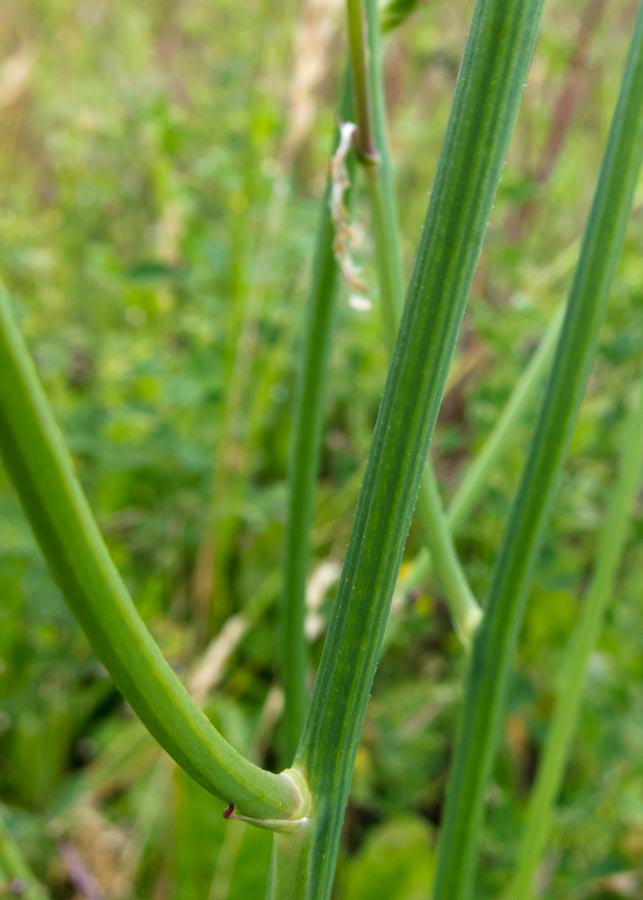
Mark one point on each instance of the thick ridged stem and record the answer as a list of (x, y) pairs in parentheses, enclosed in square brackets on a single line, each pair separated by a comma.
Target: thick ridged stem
[(462, 605), (492, 77)]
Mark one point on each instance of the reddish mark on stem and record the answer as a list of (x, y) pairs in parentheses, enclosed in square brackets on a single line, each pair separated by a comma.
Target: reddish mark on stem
[(228, 811)]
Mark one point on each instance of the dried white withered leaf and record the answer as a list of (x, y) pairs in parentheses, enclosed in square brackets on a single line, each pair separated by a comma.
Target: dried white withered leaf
[(345, 237)]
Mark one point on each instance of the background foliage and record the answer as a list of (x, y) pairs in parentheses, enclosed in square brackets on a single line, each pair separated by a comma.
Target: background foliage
[(161, 167)]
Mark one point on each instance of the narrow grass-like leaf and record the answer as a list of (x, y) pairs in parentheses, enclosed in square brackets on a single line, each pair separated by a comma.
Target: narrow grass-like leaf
[(488, 92), (305, 446), (42, 472), (581, 645), (494, 644)]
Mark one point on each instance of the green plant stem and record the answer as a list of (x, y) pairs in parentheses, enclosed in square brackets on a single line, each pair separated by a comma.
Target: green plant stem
[(359, 65), (495, 640), (581, 645), (289, 864), (476, 478), (459, 596), (462, 604), (305, 447), (494, 67), (39, 464)]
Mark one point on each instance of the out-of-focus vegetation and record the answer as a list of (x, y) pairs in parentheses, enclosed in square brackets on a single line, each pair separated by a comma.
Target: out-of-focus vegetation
[(161, 168)]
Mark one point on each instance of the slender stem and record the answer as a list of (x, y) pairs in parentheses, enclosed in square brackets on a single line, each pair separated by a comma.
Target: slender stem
[(488, 93), (459, 596), (476, 477), (306, 435), (42, 471), (463, 606), (495, 640), (581, 645), (359, 64)]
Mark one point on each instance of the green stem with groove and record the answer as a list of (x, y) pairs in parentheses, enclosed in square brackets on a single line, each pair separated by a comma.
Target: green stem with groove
[(581, 645), (488, 93), (305, 446), (462, 604), (496, 639), (42, 472)]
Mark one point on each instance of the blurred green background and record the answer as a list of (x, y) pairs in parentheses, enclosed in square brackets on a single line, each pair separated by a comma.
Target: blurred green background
[(161, 168)]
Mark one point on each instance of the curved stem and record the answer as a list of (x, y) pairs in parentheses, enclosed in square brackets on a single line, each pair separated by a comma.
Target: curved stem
[(42, 472), (496, 639)]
